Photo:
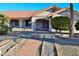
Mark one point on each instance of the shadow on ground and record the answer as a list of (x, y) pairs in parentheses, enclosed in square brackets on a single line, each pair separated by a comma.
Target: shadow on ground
[(45, 36)]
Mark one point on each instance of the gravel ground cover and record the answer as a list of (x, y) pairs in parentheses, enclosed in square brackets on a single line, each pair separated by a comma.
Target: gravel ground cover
[(67, 46)]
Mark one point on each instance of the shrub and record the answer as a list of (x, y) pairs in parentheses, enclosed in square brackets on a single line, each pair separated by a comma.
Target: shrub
[(4, 28), (77, 25), (60, 23), (3, 31)]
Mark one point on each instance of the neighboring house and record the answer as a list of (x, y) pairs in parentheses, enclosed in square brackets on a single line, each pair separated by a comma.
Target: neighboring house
[(37, 20)]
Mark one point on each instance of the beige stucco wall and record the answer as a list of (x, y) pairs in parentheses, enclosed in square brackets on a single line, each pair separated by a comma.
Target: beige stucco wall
[(42, 15), (45, 13)]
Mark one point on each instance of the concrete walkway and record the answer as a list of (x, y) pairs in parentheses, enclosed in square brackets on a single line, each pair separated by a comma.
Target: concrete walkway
[(34, 45), (30, 48)]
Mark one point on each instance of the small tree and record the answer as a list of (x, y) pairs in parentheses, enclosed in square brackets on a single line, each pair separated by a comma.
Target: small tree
[(77, 25), (60, 23), (4, 28)]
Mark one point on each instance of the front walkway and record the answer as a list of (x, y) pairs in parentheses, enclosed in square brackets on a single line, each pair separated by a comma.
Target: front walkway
[(28, 44)]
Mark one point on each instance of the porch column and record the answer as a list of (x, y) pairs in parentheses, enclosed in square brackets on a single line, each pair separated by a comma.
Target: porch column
[(33, 26), (9, 23), (20, 23), (74, 30), (50, 27)]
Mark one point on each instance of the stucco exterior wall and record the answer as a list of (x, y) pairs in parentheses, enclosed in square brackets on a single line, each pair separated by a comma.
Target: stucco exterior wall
[(45, 13), (42, 15)]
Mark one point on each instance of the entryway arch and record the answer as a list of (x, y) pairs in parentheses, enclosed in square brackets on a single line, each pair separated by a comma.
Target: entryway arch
[(42, 24)]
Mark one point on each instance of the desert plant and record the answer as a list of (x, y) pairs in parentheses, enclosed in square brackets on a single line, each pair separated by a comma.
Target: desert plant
[(4, 28), (77, 25)]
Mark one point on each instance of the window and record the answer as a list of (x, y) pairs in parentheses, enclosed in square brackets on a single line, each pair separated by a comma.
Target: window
[(14, 23), (28, 22)]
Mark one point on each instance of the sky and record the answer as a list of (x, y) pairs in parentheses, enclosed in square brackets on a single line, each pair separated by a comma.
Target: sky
[(32, 6)]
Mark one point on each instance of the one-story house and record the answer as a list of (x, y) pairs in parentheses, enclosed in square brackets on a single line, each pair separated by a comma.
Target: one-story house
[(37, 20)]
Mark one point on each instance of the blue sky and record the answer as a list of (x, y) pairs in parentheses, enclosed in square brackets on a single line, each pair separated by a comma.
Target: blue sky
[(32, 6)]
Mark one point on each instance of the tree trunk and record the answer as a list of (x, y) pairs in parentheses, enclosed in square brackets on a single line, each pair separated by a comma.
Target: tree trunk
[(71, 27)]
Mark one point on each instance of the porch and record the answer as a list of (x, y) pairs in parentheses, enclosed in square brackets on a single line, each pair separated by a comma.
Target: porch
[(41, 23), (20, 24), (15, 23), (31, 24)]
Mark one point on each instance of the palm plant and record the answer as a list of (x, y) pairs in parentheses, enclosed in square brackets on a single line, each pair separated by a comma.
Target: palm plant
[(3, 24), (3, 20)]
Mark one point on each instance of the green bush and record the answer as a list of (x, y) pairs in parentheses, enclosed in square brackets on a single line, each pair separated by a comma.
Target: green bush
[(60, 23), (77, 25), (4, 30)]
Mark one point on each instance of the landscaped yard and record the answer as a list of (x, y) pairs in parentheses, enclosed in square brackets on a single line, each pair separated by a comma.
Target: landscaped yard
[(38, 44), (67, 46)]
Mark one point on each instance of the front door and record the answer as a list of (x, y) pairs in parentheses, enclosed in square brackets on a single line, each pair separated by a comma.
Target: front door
[(42, 25), (45, 25)]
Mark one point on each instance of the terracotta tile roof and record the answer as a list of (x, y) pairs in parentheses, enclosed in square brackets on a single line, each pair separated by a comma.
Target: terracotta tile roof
[(25, 14), (51, 7), (18, 14)]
